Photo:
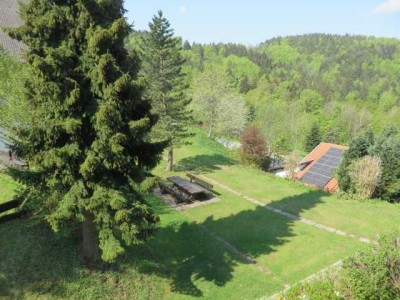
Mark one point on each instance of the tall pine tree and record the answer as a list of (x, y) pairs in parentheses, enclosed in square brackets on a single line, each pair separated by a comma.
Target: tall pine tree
[(165, 84), (313, 138), (87, 144)]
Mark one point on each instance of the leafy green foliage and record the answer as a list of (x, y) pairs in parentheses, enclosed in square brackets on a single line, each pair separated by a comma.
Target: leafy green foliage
[(345, 84), (87, 139), (375, 274), (319, 289), (13, 104), (387, 148), (218, 104)]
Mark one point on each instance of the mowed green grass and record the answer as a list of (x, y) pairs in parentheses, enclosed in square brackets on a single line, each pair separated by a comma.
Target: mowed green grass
[(288, 250), (368, 219), (8, 188), (182, 261)]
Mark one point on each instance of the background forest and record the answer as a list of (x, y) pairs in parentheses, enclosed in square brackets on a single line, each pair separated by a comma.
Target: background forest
[(290, 86)]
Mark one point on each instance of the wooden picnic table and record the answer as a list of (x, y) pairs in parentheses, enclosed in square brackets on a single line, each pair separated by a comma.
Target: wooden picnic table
[(186, 186)]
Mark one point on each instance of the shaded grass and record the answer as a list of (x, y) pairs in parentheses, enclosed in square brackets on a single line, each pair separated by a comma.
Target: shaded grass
[(290, 250), (181, 262), (367, 219)]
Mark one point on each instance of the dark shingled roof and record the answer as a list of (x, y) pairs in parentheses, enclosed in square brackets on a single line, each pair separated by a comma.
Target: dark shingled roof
[(9, 17)]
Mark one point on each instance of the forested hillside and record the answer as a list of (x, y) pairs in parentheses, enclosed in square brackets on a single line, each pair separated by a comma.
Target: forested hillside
[(341, 84)]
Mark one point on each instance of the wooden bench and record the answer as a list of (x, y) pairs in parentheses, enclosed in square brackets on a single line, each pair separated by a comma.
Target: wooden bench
[(165, 188), (200, 181)]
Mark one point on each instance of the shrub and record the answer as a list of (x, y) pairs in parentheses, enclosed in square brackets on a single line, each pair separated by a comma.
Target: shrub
[(365, 174), (254, 148), (292, 162), (375, 274), (319, 289)]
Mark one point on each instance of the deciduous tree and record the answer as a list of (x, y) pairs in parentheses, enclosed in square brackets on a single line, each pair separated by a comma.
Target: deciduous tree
[(13, 103), (254, 146), (291, 163), (218, 104)]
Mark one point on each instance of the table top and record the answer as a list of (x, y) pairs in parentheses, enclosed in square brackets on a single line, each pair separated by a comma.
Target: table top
[(186, 185)]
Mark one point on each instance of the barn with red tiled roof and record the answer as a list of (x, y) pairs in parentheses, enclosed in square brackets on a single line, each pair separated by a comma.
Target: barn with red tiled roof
[(318, 167)]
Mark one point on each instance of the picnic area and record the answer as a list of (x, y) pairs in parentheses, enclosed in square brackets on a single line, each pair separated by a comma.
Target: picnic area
[(237, 247)]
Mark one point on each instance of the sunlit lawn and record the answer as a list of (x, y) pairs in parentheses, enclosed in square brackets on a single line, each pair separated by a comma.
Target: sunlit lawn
[(288, 249), (360, 218), (8, 188), (183, 260)]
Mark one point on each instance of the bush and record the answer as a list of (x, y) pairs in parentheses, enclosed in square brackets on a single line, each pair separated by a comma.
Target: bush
[(319, 289), (375, 274), (254, 148), (365, 174)]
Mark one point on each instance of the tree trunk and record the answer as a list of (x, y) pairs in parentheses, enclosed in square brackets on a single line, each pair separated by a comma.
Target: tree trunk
[(209, 130), (91, 250), (170, 162)]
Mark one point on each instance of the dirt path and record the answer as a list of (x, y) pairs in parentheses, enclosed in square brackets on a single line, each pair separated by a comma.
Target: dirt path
[(289, 215)]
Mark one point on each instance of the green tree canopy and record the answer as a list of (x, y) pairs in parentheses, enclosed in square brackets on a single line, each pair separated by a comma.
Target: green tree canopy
[(87, 140), (313, 138), (217, 103), (166, 84), (13, 103)]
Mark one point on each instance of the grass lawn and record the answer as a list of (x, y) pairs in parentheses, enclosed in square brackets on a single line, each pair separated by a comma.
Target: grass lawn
[(289, 250), (8, 188), (183, 261), (362, 219)]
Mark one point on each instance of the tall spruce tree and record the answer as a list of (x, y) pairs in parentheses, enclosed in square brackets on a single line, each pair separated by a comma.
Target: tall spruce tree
[(165, 84), (313, 138), (87, 144)]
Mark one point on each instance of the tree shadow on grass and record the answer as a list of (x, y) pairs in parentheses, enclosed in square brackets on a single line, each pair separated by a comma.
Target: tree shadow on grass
[(182, 253), (185, 252), (205, 163), (299, 203), (34, 259)]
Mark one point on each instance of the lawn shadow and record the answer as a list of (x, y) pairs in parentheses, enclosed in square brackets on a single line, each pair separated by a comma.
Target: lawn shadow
[(34, 259), (203, 251), (204, 163), (181, 252), (300, 203)]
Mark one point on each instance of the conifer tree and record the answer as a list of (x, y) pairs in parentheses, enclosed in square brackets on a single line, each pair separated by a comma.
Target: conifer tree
[(313, 138), (87, 144), (165, 84)]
